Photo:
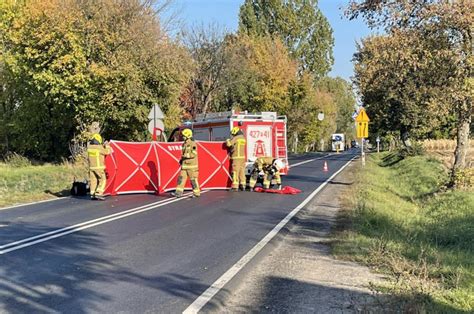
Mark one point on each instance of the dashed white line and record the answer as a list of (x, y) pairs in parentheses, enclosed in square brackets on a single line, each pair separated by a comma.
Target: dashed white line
[(309, 160)]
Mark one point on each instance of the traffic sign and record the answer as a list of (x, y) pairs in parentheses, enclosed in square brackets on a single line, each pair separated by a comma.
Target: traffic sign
[(362, 116), (158, 124), (156, 113), (362, 129), (362, 124)]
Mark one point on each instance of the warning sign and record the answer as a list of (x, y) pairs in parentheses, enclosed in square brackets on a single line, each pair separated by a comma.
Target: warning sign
[(259, 140)]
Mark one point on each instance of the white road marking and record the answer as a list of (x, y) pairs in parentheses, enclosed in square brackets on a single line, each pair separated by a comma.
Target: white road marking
[(34, 203), (77, 225), (85, 225), (65, 197), (309, 160), (207, 295)]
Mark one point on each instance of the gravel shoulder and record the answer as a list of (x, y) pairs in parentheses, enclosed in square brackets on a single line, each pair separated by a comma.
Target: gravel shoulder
[(299, 275)]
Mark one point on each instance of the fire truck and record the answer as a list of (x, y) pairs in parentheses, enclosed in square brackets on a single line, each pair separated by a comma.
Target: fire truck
[(265, 133)]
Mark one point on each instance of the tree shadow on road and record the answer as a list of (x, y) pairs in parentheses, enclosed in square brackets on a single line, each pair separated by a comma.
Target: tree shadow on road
[(54, 274), (66, 275)]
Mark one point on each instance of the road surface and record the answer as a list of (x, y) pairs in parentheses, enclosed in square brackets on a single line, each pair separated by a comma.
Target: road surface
[(139, 253)]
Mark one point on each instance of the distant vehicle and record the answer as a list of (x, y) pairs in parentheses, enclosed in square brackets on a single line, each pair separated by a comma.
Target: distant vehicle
[(338, 142), (265, 133), (354, 144)]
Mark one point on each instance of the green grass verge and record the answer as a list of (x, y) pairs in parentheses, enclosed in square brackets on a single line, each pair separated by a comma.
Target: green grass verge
[(402, 223), (33, 183)]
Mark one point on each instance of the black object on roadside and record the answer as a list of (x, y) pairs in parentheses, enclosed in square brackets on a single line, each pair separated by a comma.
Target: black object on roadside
[(79, 188)]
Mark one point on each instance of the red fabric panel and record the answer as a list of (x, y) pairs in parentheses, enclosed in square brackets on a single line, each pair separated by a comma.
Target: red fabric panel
[(136, 168), (154, 167), (285, 190)]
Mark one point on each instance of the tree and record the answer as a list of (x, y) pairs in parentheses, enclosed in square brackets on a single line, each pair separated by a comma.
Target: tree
[(400, 78), (343, 96), (435, 18), (259, 74), (306, 102), (299, 24), (206, 46), (73, 62)]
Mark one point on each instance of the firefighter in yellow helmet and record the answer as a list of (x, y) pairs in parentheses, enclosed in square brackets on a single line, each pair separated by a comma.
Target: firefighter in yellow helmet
[(237, 144), (270, 168), (189, 165), (96, 151)]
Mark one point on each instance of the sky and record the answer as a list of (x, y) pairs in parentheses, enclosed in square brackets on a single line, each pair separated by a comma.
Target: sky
[(225, 13)]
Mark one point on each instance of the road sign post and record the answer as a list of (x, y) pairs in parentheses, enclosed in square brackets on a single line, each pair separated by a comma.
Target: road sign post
[(362, 130), (156, 123)]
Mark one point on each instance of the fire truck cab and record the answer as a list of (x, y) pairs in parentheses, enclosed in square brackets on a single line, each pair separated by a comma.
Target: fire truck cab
[(265, 133)]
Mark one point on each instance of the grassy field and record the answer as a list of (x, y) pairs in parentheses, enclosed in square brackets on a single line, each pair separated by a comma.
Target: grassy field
[(400, 221), (32, 183)]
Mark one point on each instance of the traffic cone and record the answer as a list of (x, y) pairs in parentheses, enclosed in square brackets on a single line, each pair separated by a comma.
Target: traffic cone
[(325, 168)]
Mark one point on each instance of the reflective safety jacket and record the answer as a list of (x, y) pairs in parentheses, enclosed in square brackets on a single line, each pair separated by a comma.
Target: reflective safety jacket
[(264, 163), (189, 155), (96, 154), (237, 146)]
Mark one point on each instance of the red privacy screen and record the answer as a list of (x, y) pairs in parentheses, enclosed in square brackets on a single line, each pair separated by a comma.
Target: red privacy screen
[(153, 167)]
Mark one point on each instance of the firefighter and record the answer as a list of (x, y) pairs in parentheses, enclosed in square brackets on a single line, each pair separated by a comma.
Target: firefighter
[(96, 151), (236, 145), (269, 168), (189, 165)]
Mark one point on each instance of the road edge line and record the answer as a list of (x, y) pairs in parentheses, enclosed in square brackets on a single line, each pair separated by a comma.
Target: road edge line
[(210, 292), (87, 226), (34, 203), (3, 246)]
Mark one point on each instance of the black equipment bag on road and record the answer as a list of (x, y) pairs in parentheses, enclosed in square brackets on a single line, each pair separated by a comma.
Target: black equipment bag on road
[(79, 188)]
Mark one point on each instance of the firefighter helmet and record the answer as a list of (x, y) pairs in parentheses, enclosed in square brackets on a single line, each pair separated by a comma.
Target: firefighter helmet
[(96, 139), (278, 164), (187, 133), (235, 130)]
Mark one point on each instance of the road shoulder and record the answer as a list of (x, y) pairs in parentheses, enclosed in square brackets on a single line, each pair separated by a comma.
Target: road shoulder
[(300, 274)]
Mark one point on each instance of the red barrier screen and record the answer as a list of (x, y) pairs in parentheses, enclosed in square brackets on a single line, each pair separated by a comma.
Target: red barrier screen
[(153, 167)]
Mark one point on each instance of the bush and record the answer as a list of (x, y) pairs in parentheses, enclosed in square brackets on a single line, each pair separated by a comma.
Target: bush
[(16, 160)]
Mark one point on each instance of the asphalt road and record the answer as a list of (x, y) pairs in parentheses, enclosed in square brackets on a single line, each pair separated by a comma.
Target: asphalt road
[(138, 253)]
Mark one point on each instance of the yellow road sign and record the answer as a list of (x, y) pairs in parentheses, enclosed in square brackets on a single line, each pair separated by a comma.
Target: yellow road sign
[(362, 116), (362, 124), (362, 129)]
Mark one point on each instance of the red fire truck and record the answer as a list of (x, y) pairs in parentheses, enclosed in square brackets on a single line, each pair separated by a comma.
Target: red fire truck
[(265, 132)]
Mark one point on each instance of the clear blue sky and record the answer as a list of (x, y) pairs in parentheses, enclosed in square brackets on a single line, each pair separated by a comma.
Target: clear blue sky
[(226, 14)]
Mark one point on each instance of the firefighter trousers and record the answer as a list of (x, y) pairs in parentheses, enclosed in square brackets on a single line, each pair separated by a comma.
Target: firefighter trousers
[(98, 181), (183, 177), (267, 177), (238, 173)]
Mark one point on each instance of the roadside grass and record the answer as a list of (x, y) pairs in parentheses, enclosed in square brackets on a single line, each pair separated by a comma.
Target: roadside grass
[(28, 183), (400, 221)]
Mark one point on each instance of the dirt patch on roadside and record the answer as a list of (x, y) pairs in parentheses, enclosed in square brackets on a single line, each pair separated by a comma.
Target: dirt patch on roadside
[(301, 275)]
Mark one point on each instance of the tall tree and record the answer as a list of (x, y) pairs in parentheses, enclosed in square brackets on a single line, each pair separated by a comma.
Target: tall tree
[(435, 18), (344, 98), (401, 80), (73, 62), (306, 102), (299, 24), (206, 46), (259, 74)]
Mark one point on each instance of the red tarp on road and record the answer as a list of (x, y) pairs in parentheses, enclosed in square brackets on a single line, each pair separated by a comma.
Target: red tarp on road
[(285, 190), (153, 167)]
